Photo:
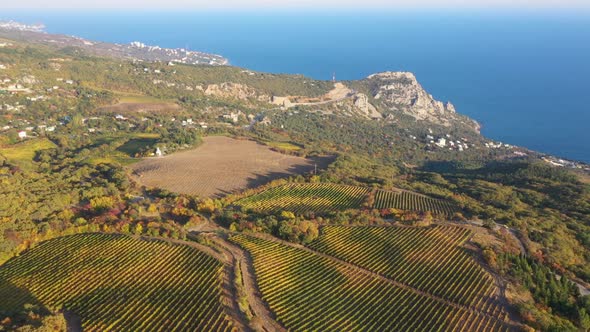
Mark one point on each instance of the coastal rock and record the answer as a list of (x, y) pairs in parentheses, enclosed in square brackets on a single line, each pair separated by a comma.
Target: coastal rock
[(401, 92), (450, 107)]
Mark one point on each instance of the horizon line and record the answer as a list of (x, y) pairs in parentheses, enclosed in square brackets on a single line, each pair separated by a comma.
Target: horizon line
[(481, 11), (320, 9)]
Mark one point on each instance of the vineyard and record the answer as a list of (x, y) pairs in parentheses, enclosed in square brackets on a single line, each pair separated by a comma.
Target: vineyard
[(309, 292), (429, 259), (309, 197), (412, 202), (114, 282)]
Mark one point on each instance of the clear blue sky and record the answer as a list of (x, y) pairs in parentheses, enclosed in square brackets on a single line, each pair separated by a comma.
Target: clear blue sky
[(297, 4)]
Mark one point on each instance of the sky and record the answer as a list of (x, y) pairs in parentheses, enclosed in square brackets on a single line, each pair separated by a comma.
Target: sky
[(295, 4)]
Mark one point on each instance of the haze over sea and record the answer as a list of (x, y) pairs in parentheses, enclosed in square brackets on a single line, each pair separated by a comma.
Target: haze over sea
[(524, 76)]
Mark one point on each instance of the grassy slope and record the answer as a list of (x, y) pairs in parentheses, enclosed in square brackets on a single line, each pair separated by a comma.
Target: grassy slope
[(24, 152)]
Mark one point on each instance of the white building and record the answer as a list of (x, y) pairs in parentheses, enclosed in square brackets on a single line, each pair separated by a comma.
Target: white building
[(442, 142), (158, 152), (22, 134)]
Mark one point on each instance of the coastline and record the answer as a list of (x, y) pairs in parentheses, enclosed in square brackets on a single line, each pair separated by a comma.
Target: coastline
[(507, 126)]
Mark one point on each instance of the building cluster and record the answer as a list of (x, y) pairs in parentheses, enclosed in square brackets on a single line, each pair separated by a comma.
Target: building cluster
[(26, 129), (176, 55), (446, 142), (15, 26), (558, 162), (497, 145)]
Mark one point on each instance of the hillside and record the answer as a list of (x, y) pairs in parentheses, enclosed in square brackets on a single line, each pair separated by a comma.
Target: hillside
[(135, 51), (294, 203)]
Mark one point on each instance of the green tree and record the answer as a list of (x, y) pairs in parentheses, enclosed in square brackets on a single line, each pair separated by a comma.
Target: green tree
[(102, 203), (584, 319), (287, 215), (138, 229)]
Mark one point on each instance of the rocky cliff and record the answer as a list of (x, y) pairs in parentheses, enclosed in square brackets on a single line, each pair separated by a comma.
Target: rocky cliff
[(388, 96), (399, 93)]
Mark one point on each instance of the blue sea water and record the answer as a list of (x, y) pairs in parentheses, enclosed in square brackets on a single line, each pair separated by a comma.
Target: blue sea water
[(524, 76)]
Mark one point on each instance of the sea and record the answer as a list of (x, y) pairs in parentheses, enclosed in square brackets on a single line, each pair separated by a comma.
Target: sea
[(524, 75)]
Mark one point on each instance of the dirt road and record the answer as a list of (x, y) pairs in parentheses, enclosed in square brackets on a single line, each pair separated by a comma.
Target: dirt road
[(257, 306)]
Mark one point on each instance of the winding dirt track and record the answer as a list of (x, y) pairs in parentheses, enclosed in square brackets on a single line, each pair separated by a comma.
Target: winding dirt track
[(231, 254), (229, 292), (258, 307)]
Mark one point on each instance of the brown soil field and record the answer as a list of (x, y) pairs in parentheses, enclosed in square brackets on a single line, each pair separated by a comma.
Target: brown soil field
[(140, 107), (221, 165)]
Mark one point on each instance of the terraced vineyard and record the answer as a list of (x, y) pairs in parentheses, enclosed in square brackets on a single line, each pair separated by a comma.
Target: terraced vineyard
[(308, 197), (429, 259), (114, 282), (412, 202), (309, 292)]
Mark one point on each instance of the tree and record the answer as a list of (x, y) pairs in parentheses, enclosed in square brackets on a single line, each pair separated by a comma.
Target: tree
[(80, 221), (100, 204), (489, 223), (285, 230), (584, 319), (287, 215), (138, 229), (206, 206), (152, 208), (77, 121), (315, 179)]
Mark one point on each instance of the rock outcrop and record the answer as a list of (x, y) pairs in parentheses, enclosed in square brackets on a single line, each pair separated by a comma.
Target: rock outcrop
[(236, 91), (361, 103), (281, 101), (401, 92)]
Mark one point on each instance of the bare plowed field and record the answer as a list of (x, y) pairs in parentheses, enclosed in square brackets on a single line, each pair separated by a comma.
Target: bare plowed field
[(140, 107), (219, 166)]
